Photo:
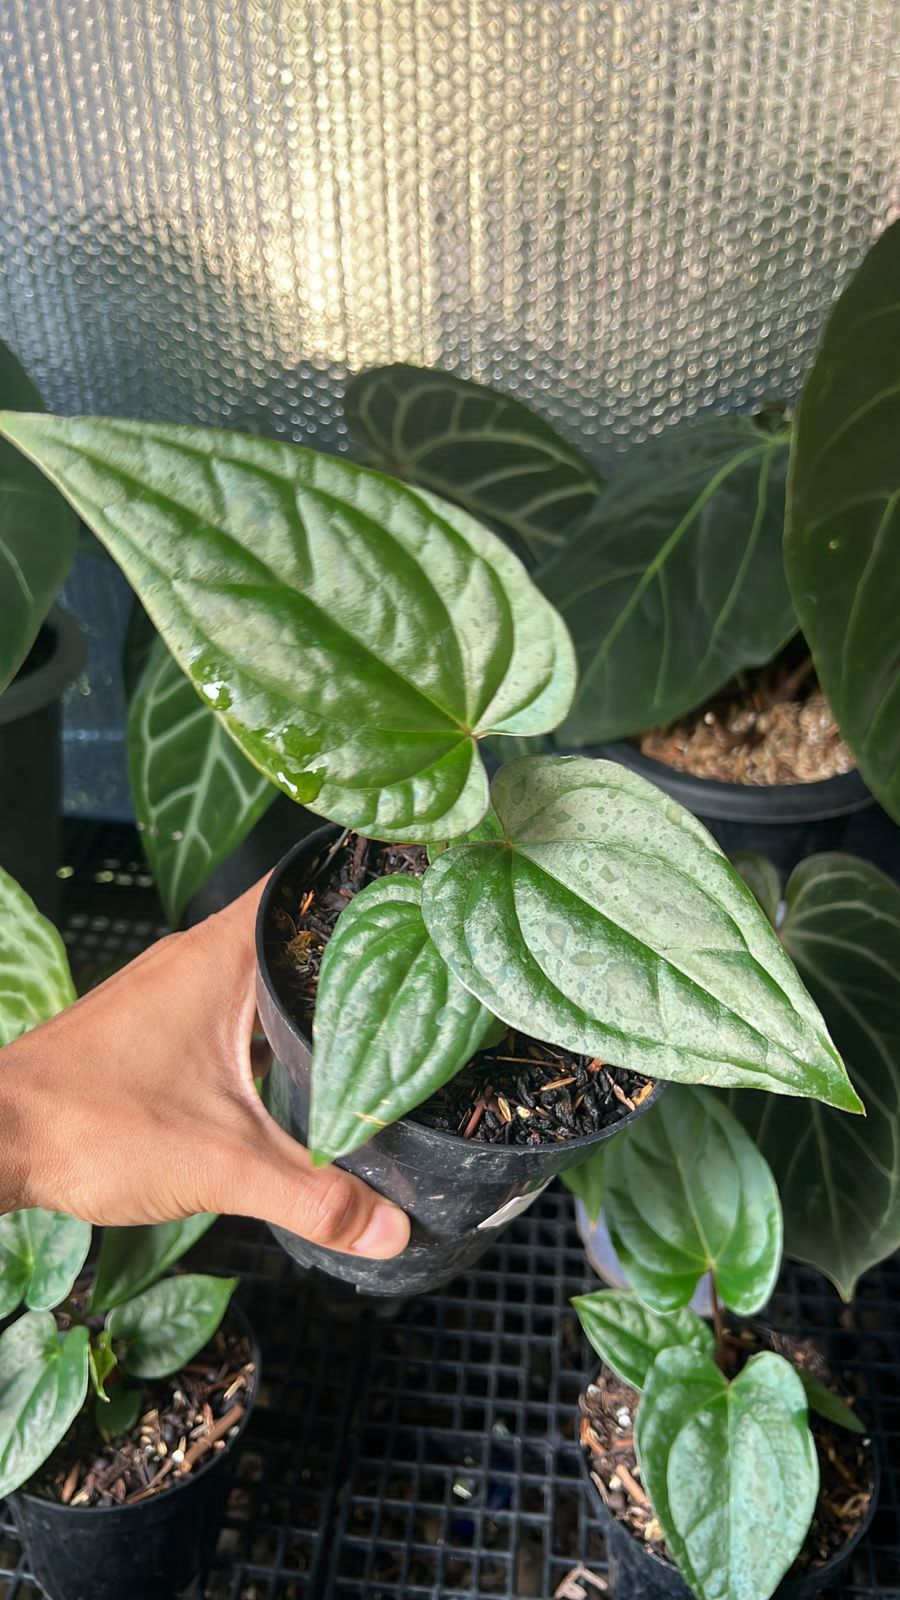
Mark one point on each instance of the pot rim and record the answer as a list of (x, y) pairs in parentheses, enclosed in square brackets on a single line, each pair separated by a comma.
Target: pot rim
[(48, 682), (451, 1140)]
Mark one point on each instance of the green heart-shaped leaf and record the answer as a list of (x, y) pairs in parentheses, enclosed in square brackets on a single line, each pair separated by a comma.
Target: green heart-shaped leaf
[(608, 921), (731, 1470), (840, 1181), (629, 1336), (356, 638), (166, 1325), (196, 796), (37, 533), (676, 580), (392, 1023), (35, 981), (485, 451), (842, 542), (131, 1259), (41, 1255), (688, 1192), (43, 1383)]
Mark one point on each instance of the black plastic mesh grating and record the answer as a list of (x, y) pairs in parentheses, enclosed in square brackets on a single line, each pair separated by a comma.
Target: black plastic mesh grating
[(432, 1456)]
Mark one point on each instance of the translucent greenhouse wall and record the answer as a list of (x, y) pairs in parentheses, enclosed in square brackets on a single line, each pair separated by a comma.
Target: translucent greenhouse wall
[(627, 213)]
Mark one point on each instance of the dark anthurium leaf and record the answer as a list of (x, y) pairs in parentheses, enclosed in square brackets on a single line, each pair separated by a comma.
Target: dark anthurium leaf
[(731, 1470), (196, 796), (608, 921), (842, 540), (687, 1192), (392, 1023), (828, 1404), (676, 580), (628, 1335), (166, 1325), (762, 879), (35, 981), (489, 453), (41, 1255), (131, 1259), (840, 1180), (356, 637), (43, 1383), (38, 532), (120, 1412)]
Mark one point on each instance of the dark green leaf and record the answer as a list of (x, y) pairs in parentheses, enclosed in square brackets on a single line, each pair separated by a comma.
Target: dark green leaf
[(629, 1336), (168, 1324), (609, 922), (119, 1413), (131, 1259), (676, 580), (731, 1470), (137, 646), (196, 796), (840, 1180), (687, 1192), (828, 1404), (101, 1362), (762, 879), (392, 1023), (586, 1183), (35, 981), (356, 637), (43, 1382), (41, 1255), (842, 545), (37, 533), (487, 452)]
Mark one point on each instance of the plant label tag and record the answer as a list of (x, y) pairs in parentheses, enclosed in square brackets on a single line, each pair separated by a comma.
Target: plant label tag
[(512, 1208)]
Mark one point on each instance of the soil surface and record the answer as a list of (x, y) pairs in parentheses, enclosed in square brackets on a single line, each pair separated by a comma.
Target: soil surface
[(184, 1421), (519, 1091), (845, 1459)]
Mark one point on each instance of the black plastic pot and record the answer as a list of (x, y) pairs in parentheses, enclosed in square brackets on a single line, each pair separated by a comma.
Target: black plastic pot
[(458, 1193), (31, 760), (151, 1550), (786, 822)]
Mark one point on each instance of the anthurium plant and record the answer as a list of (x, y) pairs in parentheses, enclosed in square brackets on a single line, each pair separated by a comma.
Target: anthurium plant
[(357, 640), (724, 1452)]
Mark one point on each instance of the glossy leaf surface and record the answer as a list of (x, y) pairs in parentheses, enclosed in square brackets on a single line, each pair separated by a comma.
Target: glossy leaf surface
[(130, 1259), (35, 981), (392, 1024), (37, 533), (43, 1383), (762, 879), (485, 451), (356, 637), (842, 544), (731, 1470), (41, 1255), (168, 1324), (195, 795), (840, 1180), (676, 580), (688, 1192), (608, 922), (628, 1336)]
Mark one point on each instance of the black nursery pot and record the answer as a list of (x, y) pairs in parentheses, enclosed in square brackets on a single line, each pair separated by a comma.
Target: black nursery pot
[(31, 760), (151, 1550), (458, 1193)]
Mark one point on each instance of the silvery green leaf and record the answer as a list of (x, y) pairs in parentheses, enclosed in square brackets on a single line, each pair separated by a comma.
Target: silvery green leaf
[(165, 1326), (628, 1336), (41, 1255), (35, 981), (43, 1383)]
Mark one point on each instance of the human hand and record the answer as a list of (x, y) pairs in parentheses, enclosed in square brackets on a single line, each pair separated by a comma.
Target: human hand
[(138, 1105)]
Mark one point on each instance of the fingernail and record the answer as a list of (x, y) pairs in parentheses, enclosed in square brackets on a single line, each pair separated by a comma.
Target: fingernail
[(386, 1235)]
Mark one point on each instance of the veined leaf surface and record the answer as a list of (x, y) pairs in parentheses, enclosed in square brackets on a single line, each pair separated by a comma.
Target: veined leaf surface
[(629, 1335), (131, 1259), (168, 1324), (35, 981), (43, 1383), (41, 1255)]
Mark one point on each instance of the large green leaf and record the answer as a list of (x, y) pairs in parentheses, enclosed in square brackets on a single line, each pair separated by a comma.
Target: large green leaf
[(35, 981), (37, 533), (485, 451), (629, 1336), (676, 580), (43, 1383), (842, 545), (609, 921), (41, 1255), (131, 1259), (196, 796), (165, 1326), (356, 637), (731, 1470), (840, 1180), (687, 1192), (392, 1023)]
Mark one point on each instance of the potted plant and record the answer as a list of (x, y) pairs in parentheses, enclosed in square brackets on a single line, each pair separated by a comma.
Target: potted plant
[(358, 640), (684, 586), (120, 1396), (723, 1463)]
